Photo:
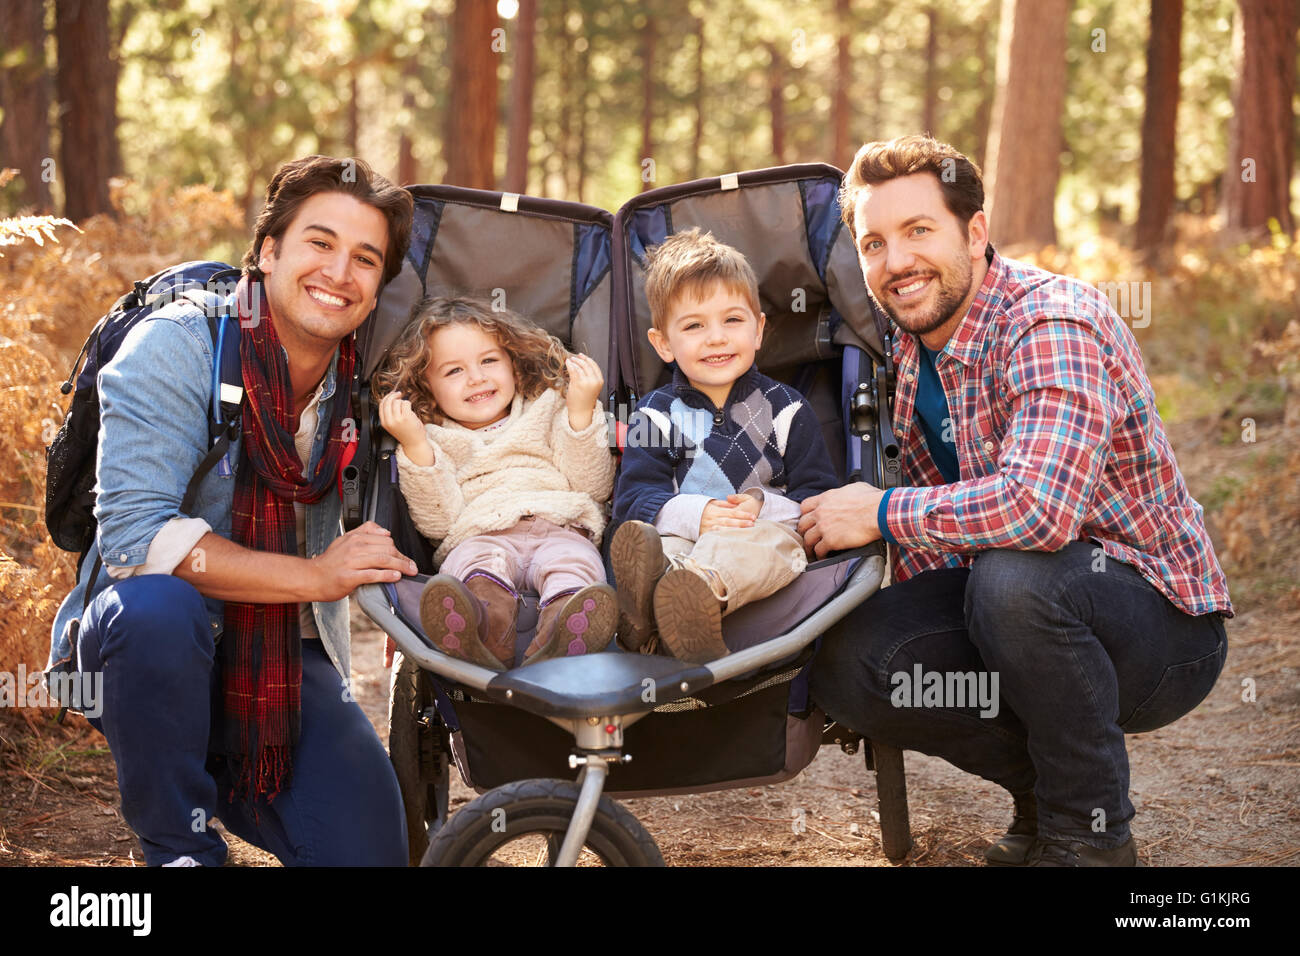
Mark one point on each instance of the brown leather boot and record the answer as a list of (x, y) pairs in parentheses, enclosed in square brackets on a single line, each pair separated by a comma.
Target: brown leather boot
[(637, 556), (574, 622), (452, 619), (1019, 842), (500, 604)]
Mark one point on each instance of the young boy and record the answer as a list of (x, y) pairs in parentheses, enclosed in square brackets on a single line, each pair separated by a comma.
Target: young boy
[(716, 462)]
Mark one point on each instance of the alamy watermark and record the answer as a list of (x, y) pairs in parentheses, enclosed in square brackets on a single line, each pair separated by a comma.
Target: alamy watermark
[(951, 689), (82, 691), (127, 910), (213, 296), (650, 428), (1128, 299)]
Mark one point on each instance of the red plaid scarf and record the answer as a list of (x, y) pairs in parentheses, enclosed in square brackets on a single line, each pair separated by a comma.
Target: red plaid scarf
[(261, 652)]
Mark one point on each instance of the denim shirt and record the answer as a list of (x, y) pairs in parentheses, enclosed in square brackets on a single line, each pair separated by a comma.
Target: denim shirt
[(154, 401)]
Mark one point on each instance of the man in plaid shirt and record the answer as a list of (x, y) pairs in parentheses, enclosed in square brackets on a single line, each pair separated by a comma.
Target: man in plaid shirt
[(1044, 539)]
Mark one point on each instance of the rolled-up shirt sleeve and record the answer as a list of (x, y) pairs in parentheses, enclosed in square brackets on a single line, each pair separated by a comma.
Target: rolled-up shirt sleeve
[(172, 544)]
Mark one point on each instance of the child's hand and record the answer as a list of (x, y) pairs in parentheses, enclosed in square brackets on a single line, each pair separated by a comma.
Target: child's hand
[(400, 421), (738, 511), (585, 383)]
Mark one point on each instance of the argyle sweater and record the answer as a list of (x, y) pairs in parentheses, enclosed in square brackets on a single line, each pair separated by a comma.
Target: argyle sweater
[(679, 442)]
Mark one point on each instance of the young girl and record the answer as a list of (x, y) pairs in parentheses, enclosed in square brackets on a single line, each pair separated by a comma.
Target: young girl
[(510, 470)]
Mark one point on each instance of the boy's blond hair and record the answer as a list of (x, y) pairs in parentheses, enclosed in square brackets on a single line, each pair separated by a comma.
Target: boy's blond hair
[(686, 264)]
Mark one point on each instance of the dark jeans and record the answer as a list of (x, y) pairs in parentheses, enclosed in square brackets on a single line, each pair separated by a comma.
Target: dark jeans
[(149, 636), (1082, 656)]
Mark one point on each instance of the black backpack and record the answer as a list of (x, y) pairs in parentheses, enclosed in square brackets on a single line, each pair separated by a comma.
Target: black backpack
[(70, 459)]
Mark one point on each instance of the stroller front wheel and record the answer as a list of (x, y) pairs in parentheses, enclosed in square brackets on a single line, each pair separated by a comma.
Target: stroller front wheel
[(523, 824)]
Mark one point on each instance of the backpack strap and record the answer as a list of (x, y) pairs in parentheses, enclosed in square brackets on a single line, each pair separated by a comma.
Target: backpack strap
[(227, 387)]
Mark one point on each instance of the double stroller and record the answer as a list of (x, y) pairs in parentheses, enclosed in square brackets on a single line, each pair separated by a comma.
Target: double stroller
[(627, 723)]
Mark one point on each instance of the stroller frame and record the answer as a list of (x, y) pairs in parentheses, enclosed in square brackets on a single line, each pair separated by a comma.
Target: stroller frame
[(596, 698), (598, 733)]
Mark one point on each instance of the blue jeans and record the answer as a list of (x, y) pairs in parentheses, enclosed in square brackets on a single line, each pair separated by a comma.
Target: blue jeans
[(151, 639), (1084, 650)]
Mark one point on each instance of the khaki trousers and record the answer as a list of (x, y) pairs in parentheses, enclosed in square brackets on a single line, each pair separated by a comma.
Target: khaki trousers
[(750, 563)]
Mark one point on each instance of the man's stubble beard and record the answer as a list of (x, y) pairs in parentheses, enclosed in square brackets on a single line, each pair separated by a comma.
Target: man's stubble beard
[(951, 295)]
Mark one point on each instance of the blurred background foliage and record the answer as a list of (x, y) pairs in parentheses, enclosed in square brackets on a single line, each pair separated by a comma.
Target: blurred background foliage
[(220, 93)]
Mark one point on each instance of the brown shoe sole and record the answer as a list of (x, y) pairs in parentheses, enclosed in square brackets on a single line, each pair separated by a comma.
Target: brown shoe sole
[(451, 619), (637, 556), (690, 618), (585, 624)]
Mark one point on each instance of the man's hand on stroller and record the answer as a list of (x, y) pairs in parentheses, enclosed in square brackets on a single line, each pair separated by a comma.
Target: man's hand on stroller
[(840, 518), (364, 555)]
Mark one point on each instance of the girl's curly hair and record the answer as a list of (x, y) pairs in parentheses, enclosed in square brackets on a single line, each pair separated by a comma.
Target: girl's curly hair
[(538, 356)]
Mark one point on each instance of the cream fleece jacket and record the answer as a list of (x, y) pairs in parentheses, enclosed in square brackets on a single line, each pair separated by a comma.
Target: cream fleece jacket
[(487, 480)]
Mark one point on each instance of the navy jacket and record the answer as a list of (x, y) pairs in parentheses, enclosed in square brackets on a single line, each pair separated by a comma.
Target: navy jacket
[(679, 442)]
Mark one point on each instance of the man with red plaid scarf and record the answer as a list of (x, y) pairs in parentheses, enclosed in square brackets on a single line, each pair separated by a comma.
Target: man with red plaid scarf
[(222, 635), (1043, 541)]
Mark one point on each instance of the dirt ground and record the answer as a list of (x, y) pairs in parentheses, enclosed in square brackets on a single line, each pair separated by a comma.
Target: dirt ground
[(1215, 788)]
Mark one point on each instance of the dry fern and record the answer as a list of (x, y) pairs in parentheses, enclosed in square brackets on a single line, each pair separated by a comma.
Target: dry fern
[(35, 228), (50, 296)]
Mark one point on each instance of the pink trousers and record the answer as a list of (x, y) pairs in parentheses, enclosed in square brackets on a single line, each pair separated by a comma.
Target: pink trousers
[(534, 555)]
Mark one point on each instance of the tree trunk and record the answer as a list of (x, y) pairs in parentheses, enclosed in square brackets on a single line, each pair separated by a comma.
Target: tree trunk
[(698, 139), (988, 84), (521, 98), (249, 194), (566, 106), (1159, 123), (25, 97), (841, 148), (110, 120), (354, 113), (1025, 136), (85, 98), (1257, 182), (649, 172), (470, 140), (930, 103), (584, 77), (407, 171), (872, 104), (776, 103), (124, 13)]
